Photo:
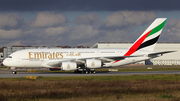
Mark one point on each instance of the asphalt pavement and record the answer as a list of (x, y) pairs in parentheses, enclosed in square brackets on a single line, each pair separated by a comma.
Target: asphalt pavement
[(8, 73)]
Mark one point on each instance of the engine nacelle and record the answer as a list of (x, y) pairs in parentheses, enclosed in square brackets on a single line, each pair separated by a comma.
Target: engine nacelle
[(67, 66), (92, 63)]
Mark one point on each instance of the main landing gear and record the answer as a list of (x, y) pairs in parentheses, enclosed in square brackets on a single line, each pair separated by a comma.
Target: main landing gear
[(86, 71)]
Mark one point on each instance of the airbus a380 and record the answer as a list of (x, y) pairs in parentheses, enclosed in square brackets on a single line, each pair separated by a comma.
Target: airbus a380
[(87, 60)]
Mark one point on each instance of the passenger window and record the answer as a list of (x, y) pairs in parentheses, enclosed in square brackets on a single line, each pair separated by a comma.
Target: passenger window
[(9, 56)]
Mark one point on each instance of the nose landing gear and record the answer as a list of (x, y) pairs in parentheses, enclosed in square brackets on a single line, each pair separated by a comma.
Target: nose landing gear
[(14, 70)]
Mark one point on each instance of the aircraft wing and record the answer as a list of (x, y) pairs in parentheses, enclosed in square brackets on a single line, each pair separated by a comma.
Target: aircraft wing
[(83, 60), (111, 59), (103, 59)]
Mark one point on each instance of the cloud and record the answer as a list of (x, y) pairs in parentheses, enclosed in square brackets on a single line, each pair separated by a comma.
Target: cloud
[(128, 18), (171, 32), (57, 30), (49, 19), (118, 35), (10, 34), (9, 44), (50, 36), (10, 21), (88, 19), (174, 23), (83, 32), (51, 29), (116, 27)]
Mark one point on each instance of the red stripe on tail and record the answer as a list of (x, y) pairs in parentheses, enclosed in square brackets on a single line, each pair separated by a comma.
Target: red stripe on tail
[(135, 46)]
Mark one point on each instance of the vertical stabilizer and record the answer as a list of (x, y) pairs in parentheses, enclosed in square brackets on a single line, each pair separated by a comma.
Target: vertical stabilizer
[(149, 38)]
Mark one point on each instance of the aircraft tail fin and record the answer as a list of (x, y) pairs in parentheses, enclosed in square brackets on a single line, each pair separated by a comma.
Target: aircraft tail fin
[(149, 38)]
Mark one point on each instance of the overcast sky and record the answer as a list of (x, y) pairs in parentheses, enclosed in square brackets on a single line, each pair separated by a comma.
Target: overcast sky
[(84, 22)]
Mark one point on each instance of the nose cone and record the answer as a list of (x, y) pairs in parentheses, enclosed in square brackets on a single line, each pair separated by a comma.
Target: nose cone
[(5, 63)]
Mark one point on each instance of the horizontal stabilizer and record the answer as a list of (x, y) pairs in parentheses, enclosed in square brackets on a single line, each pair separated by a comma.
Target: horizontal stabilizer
[(159, 53)]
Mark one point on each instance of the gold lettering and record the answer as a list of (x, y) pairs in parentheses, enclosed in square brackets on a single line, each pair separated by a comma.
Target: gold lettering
[(53, 55), (72, 54), (68, 66), (61, 55), (57, 54), (30, 53), (79, 54), (50, 56), (37, 55), (43, 55), (92, 64), (46, 55), (67, 54)]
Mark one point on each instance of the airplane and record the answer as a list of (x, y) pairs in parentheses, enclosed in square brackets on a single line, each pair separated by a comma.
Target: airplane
[(87, 60)]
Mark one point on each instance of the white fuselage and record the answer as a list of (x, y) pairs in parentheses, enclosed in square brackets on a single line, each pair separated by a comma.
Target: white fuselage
[(41, 57)]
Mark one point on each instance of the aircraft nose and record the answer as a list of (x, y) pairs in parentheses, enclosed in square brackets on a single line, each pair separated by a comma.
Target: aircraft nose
[(4, 62)]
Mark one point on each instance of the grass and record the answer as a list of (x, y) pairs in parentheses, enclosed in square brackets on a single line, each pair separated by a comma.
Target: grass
[(3, 67), (96, 88), (119, 78)]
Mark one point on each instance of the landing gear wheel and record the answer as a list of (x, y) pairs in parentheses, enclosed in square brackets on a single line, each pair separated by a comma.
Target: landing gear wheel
[(14, 72), (86, 72), (94, 72)]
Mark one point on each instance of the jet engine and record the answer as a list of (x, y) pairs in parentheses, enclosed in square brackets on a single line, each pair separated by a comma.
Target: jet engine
[(92, 63), (67, 66)]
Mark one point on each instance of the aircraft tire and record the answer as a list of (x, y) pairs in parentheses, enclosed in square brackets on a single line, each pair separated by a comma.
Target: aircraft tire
[(14, 72), (75, 71)]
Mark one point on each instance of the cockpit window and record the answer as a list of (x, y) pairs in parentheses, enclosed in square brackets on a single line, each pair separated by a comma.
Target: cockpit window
[(9, 56)]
